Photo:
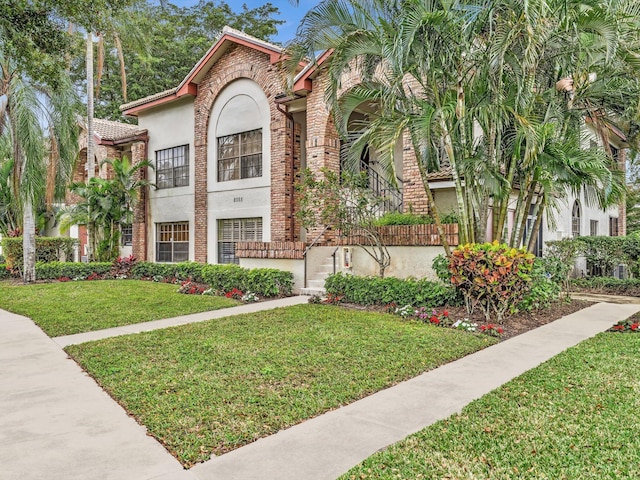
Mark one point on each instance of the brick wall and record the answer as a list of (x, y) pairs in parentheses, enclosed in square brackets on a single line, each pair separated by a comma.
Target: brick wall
[(414, 198), (140, 232), (407, 236), (276, 250), (242, 62)]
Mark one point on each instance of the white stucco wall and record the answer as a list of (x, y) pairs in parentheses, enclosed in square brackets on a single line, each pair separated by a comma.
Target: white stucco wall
[(240, 107), (405, 262), (169, 126)]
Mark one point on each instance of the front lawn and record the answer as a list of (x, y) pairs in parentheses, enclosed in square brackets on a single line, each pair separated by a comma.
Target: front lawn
[(65, 308), (575, 416), (215, 386)]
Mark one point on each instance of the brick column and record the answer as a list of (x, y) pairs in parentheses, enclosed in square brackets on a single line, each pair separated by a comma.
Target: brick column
[(200, 200), (414, 197), (140, 231)]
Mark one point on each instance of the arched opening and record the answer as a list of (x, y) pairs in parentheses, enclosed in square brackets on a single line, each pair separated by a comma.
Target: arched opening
[(575, 220)]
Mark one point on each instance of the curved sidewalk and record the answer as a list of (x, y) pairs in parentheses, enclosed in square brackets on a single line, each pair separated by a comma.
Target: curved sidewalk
[(57, 423)]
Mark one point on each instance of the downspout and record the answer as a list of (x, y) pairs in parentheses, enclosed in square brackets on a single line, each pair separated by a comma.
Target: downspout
[(145, 210), (292, 223)]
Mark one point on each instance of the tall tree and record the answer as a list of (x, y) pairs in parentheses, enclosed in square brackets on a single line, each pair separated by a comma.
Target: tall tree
[(175, 39), (40, 124)]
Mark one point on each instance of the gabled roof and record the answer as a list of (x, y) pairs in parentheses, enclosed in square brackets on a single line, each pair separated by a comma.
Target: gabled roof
[(302, 81), (189, 86)]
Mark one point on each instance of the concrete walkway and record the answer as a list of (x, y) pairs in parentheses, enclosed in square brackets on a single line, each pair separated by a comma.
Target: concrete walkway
[(65, 340), (56, 423), (603, 297)]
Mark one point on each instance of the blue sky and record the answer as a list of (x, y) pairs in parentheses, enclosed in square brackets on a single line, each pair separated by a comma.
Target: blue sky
[(290, 14)]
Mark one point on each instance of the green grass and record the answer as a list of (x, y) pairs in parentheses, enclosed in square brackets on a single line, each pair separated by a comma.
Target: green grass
[(218, 385), (574, 417), (74, 307)]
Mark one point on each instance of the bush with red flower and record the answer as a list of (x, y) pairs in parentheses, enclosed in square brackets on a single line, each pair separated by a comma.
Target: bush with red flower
[(191, 288), (630, 325), (235, 294), (491, 329)]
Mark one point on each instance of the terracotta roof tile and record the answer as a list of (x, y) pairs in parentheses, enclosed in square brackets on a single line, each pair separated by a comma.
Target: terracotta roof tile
[(110, 130)]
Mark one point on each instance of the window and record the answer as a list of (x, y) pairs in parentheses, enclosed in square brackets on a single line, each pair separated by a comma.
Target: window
[(172, 167), (126, 235), (233, 230), (575, 220), (172, 242), (593, 228), (240, 156), (613, 226)]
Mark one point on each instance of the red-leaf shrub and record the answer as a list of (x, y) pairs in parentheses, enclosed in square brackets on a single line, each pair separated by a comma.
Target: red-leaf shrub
[(492, 276)]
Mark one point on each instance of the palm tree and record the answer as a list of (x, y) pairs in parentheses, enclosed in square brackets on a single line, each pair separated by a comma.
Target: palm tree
[(106, 206), (474, 85), (39, 122)]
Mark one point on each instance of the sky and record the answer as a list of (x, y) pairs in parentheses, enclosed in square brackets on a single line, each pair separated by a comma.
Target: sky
[(288, 12)]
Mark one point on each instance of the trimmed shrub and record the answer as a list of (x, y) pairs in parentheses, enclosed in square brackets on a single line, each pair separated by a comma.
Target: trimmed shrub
[(56, 270), (608, 285), (384, 291), (266, 282), (4, 271), (48, 249), (492, 276)]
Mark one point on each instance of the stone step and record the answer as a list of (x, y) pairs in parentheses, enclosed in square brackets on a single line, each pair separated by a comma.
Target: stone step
[(313, 291)]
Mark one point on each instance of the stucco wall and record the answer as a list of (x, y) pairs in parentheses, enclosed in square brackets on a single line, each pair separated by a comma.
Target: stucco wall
[(405, 262), (170, 126)]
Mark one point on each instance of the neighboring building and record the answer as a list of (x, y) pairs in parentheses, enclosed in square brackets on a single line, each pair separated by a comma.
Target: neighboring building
[(111, 140), (227, 145)]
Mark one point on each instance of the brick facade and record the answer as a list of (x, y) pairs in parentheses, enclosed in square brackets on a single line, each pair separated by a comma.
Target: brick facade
[(242, 62), (140, 232), (414, 198)]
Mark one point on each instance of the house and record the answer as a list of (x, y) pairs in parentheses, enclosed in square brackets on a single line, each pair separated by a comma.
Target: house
[(227, 145)]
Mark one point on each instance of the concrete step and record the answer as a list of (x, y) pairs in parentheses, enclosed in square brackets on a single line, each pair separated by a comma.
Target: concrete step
[(313, 291), (317, 283)]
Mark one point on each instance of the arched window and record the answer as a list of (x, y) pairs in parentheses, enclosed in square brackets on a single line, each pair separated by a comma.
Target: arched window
[(575, 220)]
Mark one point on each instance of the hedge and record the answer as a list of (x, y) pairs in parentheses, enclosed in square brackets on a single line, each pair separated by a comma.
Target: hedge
[(55, 270), (609, 285), (48, 249), (266, 282), (4, 272), (384, 291)]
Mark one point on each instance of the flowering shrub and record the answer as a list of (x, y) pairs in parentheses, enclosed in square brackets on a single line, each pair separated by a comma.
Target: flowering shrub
[(433, 317), (390, 307), (94, 276), (491, 329), (122, 266), (334, 299), (249, 297), (64, 279), (465, 325), (235, 294), (405, 312), (191, 288), (209, 292), (630, 325), (492, 276)]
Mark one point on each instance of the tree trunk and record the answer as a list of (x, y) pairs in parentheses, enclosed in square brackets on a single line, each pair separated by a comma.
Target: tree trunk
[(28, 243), (90, 145)]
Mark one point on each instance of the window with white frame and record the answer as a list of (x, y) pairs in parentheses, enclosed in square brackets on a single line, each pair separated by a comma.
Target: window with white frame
[(172, 242), (234, 230), (575, 220), (593, 228), (240, 156), (172, 167)]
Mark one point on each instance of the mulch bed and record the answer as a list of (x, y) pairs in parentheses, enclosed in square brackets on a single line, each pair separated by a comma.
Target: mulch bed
[(514, 324)]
